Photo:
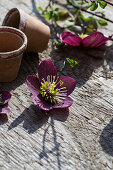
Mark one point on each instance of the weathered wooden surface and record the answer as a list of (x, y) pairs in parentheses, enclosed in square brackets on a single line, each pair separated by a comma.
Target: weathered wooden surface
[(76, 139)]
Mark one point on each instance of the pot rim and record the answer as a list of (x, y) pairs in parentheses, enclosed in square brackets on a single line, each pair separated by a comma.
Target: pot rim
[(22, 22), (21, 49)]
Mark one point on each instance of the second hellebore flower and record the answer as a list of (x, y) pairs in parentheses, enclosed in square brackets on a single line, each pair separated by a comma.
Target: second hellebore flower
[(4, 98), (50, 91), (96, 39)]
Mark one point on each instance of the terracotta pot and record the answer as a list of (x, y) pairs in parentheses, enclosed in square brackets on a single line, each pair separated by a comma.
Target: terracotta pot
[(37, 32), (13, 43)]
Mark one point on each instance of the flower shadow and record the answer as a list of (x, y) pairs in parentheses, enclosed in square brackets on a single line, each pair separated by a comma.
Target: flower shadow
[(33, 118), (88, 59), (59, 114), (55, 114), (3, 118), (28, 66), (106, 138), (55, 150)]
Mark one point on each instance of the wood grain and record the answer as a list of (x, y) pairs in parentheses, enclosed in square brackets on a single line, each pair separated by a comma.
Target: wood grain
[(77, 138)]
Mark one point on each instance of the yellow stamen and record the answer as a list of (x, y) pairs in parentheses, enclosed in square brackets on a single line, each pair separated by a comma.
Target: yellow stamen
[(82, 35), (50, 91), (1, 98)]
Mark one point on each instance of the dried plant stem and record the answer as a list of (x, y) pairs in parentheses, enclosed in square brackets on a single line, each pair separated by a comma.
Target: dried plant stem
[(82, 9)]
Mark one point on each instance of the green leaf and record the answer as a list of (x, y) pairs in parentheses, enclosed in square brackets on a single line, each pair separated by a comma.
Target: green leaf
[(70, 28), (74, 2), (80, 19), (64, 66), (48, 15), (55, 17), (102, 4), (44, 11), (103, 14), (94, 6), (56, 9), (40, 8), (77, 3), (74, 11), (81, 2), (71, 62), (102, 22), (59, 45), (63, 15), (91, 23), (71, 19), (89, 31)]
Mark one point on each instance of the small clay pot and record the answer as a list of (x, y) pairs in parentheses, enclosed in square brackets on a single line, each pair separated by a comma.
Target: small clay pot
[(37, 32), (13, 43)]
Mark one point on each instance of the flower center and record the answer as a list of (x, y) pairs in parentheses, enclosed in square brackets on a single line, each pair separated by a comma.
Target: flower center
[(1, 99), (82, 35), (52, 91)]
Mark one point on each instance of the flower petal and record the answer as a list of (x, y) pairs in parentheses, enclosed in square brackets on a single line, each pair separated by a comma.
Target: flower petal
[(70, 38), (46, 68), (104, 41), (41, 103), (96, 39), (4, 110), (5, 97), (68, 82), (66, 103), (59, 36), (33, 84)]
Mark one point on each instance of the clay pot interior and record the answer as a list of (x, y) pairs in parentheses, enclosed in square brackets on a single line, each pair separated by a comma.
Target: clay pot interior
[(13, 43), (14, 19), (9, 42)]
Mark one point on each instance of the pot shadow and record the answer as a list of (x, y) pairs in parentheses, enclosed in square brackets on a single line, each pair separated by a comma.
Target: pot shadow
[(88, 59), (106, 138), (3, 119), (33, 118), (28, 66)]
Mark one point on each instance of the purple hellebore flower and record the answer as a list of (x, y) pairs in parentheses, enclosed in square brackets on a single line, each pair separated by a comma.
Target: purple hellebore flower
[(4, 98), (96, 39), (50, 91)]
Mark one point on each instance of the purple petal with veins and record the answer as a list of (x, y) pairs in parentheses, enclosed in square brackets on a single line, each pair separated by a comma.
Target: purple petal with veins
[(41, 103), (96, 39), (46, 68), (33, 84), (4, 97), (66, 103), (51, 92), (68, 82), (4, 110), (70, 39)]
